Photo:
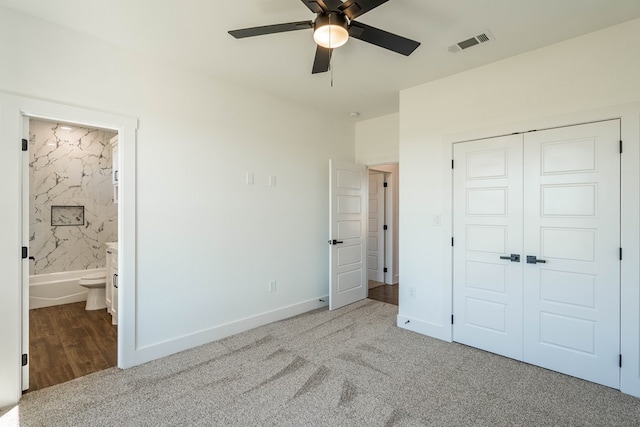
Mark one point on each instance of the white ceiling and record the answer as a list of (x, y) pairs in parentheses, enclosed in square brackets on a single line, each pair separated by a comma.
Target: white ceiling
[(367, 78)]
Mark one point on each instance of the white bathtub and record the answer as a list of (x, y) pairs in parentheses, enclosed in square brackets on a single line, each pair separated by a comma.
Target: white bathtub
[(50, 289)]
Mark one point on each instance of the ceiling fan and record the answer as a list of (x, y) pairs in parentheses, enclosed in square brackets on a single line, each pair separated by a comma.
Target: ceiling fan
[(333, 26)]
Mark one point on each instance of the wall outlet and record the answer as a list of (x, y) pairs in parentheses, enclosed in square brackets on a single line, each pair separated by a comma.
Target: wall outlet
[(249, 178), (272, 286), (412, 293), (437, 220), (272, 180)]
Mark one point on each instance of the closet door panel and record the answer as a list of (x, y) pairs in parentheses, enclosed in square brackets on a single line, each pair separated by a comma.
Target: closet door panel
[(572, 223), (487, 226)]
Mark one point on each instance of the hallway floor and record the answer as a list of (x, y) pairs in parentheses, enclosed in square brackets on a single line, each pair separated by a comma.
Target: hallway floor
[(384, 293), (67, 342)]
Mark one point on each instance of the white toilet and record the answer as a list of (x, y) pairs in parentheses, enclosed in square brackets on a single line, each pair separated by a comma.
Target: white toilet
[(96, 284)]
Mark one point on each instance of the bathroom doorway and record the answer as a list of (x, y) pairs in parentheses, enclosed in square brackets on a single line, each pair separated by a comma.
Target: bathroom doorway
[(17, 111), (72, 221)]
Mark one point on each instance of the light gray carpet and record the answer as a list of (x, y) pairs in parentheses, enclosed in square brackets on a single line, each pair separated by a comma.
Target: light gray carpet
[(349, 367)]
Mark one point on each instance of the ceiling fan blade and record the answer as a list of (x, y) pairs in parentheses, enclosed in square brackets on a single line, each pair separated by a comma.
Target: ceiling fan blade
[(335, 5), (271, 29), (382, 38), (355, 8), (322, 61), (315, 6)]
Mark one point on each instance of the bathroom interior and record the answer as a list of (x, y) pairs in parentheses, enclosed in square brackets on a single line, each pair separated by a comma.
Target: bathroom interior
[(73, 251)]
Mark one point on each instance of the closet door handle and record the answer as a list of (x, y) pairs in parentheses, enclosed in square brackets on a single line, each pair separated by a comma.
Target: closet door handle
[(512, 257), (115, 281), (531, 259)]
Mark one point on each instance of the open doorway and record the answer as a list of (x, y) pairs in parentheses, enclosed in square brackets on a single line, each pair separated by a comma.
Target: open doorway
[(72, 221), (382, 244)]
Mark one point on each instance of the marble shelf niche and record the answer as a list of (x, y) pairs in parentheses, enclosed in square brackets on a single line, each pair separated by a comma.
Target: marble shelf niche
[(70, 166)]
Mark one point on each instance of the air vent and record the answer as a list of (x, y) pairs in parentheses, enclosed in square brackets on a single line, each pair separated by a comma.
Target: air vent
[(486, 36)]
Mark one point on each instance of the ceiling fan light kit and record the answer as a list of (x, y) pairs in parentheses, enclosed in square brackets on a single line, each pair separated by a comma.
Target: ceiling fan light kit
[(333, 26), (330, 31)]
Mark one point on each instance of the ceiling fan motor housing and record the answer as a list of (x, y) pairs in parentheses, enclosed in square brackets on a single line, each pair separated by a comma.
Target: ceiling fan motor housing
[(331, 18)]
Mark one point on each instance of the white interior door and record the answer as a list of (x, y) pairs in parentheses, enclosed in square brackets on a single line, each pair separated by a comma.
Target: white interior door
[(25, 261), (375, 228), (347, 233), (487, 283), (572, 217)]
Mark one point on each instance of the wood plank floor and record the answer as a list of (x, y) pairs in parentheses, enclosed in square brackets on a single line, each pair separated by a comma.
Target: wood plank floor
[(384, 293), (67, 342)]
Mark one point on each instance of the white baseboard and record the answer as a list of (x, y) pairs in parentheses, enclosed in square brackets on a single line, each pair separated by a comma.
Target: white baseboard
[(158, 350), (425, 328)]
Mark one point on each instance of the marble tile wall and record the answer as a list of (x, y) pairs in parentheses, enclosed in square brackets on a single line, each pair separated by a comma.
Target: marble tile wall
[(70, 168)]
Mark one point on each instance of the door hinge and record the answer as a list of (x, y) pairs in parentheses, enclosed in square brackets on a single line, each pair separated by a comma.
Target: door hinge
[(386, 270), (384, 227), (620, 146), (25, 359), (452, 319), (620, 254), (25, 252), (386, 185), (620, 361), (451, 163), (25, 145), (452, 241)]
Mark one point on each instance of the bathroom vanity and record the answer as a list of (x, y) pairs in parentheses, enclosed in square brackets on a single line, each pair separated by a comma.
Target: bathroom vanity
[(111, 294)]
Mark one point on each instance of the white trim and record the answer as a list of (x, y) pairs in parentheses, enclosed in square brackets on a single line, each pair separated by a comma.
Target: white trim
[(14, 108), (174, 345), (629, 273), (389, 235), (10, 261), (630, 226), (392, 277)]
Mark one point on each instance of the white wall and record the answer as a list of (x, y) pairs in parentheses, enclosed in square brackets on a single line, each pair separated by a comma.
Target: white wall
[(377, 140), (588, 78), (207, 243)]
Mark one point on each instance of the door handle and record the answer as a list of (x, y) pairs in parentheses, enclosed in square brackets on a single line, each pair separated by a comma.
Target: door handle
[(512, 257), (531, 259), (115, 281), (335, 242)]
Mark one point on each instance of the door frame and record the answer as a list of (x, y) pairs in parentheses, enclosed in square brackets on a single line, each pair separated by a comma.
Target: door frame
[(382, 251), (390, 249), (629, 114), (14, 111)]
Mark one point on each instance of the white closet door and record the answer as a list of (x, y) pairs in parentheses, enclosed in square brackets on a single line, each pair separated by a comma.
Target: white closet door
[(375, 244), (572, 222), (487, 288)]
